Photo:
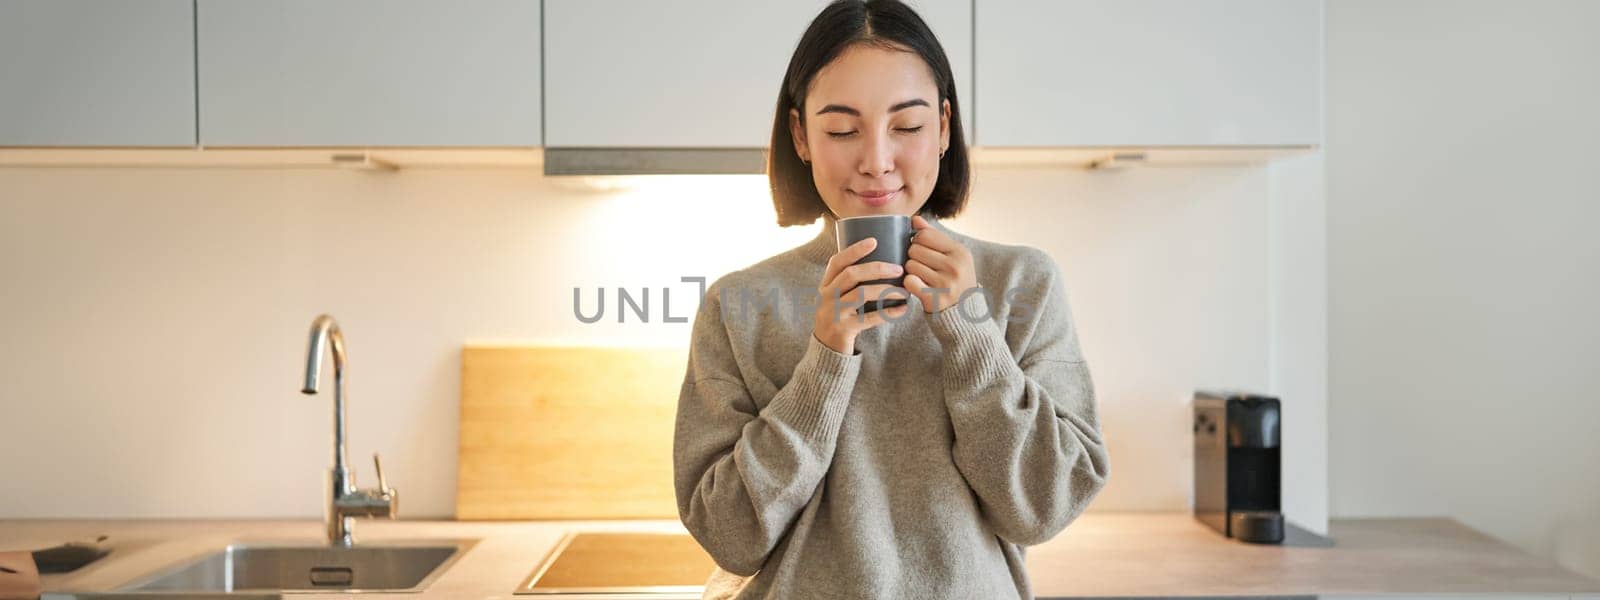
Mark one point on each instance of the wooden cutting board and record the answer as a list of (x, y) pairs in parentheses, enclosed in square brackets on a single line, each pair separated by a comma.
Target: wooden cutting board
[(567, 432)]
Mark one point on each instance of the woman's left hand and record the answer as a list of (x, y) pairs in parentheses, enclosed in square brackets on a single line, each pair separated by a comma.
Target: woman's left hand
[(936, 261)]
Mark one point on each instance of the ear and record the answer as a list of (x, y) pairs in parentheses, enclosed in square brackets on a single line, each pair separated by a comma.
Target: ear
[(797, 132), (944, 125)]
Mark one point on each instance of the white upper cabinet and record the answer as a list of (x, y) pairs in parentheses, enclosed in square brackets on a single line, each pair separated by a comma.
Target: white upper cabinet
[(1149, 72), (703, 74), (634, 74), (369, 73), (93, 73)]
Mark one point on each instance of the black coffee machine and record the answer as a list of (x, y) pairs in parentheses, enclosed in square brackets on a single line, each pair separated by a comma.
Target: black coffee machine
[(1237, 469)]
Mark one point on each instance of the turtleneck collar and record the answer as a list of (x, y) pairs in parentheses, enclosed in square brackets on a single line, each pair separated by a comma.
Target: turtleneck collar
[(826, 244)]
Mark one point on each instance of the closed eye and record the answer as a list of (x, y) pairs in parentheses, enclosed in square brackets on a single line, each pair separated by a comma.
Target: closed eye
[(845, 134)]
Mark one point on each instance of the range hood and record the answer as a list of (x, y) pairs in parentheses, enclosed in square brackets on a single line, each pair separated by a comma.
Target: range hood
[(655, 161)]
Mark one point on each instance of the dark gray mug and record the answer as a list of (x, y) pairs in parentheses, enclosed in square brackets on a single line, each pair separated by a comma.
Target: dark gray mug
[(893, 233)]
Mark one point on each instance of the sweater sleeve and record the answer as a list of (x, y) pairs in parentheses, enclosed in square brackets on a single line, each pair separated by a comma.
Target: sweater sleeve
[(1027, 438), (742, 475)]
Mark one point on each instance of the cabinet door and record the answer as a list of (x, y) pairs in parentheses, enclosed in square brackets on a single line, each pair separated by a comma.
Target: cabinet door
[(369, 73), (92, 73), (704, 74), (1149, 72)]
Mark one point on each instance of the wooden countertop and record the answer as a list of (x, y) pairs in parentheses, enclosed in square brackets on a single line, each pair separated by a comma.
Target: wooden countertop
[(1139, 554), (1102, 554)]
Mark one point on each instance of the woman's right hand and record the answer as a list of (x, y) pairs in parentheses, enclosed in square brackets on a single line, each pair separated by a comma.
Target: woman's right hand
[(836, 326)]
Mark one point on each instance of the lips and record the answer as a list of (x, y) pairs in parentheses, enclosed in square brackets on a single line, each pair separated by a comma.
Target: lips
[(876, 197)]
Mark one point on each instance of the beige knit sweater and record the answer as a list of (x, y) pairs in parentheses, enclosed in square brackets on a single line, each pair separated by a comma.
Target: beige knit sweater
[(921, 466)]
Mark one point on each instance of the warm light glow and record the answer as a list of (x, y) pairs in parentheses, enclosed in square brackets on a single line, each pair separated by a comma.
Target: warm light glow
[(651, 231), (661, 227)]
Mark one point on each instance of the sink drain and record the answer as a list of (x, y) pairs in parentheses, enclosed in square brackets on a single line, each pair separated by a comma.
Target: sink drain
[(332, 576)]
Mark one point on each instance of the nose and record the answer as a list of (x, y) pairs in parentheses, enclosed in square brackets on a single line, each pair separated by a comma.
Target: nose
[(878, 156)]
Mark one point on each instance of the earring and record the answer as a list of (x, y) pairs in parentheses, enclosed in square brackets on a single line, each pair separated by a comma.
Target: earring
[(941, 154), (805, 162)]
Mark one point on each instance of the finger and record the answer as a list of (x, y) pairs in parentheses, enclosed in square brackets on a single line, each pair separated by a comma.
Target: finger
[(853, 275), (930, 236), (915, 285), (893, 312), (846, 257), (861, 248), (862, 294), (925, 275), (931, 258), (877, 291), (890, 293), (856, 300), (880, 316)]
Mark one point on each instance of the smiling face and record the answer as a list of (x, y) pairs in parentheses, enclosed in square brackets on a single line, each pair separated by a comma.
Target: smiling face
[(873, 131)]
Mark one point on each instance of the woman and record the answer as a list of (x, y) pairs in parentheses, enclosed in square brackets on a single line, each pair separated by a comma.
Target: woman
[(911, 452)]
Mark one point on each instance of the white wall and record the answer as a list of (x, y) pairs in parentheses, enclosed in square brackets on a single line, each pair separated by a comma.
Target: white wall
[(156, 318), (1181, 278), (1297, 259), (1464, 266)]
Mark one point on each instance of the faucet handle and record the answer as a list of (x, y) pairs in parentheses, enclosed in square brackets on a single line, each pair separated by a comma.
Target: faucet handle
[(377, 465)]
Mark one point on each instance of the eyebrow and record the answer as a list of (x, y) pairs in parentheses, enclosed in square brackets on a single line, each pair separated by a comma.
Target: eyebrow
[(840, 108)]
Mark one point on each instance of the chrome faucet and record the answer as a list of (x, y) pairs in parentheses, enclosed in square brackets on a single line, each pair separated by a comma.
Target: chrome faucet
[(345, 501)]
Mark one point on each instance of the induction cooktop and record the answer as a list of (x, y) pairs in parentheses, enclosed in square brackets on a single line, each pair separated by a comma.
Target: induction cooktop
[(622, 563)]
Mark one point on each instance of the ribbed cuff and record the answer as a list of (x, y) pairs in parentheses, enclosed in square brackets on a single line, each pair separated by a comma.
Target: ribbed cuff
[(975, 347), (818, 392)]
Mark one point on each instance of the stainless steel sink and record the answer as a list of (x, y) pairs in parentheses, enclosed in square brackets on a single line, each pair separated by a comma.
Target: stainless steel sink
[(381, 567)]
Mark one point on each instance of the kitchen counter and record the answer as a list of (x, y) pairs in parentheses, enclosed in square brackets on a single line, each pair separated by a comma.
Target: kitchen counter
[(1101, 554)]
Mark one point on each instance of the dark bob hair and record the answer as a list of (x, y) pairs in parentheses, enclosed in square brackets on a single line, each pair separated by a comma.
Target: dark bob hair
[(887, 24)]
